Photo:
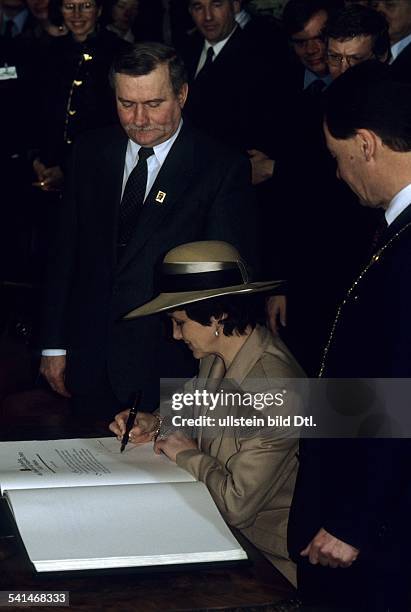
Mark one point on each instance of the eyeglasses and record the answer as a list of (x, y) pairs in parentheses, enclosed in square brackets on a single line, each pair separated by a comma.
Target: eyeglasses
[(71, 7), (336, 59)]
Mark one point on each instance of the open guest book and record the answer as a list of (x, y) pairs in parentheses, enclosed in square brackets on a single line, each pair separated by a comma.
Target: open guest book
[(81, 504)]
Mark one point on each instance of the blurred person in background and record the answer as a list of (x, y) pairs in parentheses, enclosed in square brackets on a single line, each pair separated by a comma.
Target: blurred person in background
[(355, 34), (398, 15), (121, 17), (75, 92)]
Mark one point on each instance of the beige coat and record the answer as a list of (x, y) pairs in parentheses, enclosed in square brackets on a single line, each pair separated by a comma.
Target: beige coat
[(251, 477)]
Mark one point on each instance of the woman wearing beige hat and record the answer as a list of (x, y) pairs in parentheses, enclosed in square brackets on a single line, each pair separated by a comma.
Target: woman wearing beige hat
[(250, 471)]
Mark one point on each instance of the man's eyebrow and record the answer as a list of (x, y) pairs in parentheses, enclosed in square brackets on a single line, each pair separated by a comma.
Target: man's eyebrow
[(155, 100)]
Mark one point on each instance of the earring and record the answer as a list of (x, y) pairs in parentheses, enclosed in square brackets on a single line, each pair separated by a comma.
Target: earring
[(216, 333)]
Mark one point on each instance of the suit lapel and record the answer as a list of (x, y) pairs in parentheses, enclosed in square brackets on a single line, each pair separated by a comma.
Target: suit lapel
[(402, 62), (210, 376), (248, 355), (213, 374), (171, 182), (401, 221), (229, 53), (112, 171), (193, 57)]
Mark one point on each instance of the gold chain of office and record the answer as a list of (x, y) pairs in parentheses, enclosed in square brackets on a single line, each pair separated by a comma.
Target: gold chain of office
[(374, 259)]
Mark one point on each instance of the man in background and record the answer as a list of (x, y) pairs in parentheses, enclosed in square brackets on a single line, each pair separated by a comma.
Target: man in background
[(232, 91), (355, 34), (349, 523), (304, 22), (398, 15)]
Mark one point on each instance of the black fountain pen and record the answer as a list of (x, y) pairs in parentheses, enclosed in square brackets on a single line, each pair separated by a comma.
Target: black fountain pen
[(130, 420)]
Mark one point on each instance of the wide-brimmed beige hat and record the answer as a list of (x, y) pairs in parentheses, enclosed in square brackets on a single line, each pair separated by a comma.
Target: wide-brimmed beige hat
[(197, 271)]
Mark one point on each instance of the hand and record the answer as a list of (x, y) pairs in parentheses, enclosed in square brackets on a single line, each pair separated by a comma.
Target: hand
[(53, 369), (145, 424), (50, 179), (262, 167), (276, 311), (328, 550), (174, 444)]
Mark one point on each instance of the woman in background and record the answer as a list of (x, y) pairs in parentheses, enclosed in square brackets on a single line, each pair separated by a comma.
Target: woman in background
[(75, 92)]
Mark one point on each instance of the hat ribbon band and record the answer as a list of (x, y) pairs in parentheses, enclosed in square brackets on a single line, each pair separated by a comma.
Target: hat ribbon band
[(200, 281)]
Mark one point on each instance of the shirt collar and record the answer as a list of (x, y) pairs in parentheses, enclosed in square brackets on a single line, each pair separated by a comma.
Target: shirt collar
[(19, 19), (310, 77), (219, 46), (399, 46), (160, 151), (398, 204)]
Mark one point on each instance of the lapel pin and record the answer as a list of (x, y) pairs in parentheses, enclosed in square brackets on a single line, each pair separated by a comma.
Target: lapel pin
[(160, 197)]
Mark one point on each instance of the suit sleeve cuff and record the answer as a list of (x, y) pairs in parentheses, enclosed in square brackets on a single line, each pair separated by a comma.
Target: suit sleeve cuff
[(189, 460)]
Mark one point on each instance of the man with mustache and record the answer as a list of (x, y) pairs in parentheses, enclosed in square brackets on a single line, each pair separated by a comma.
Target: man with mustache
[(133, 194)]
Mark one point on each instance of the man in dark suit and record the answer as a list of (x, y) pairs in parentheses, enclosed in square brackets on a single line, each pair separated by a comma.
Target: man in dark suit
[(349, 524), (398, 15), (304, 22), (307, 75), (305, 174), (184, 187), (16, 80), (227, 76)]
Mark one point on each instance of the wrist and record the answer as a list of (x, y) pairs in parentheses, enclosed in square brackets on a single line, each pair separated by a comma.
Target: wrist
[(157, 426)]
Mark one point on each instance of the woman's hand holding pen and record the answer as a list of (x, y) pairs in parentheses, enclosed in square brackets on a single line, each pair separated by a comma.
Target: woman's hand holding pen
[(145, 425)]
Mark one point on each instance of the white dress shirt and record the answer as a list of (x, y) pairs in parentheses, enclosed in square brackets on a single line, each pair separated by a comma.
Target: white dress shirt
[(398, 204), (217, 48), (398, 47), (154, 164)]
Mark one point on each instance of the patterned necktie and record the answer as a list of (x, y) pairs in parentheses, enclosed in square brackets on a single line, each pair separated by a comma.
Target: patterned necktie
[(133, 197), (208, 63)]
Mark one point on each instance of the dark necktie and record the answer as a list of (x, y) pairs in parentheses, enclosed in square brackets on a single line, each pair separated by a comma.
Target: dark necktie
[(378, 234), (208, 63), (133, 197), (316, 88)]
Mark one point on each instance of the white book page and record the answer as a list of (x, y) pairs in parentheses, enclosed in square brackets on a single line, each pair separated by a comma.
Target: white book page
[(83, 462), (122, 526)]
